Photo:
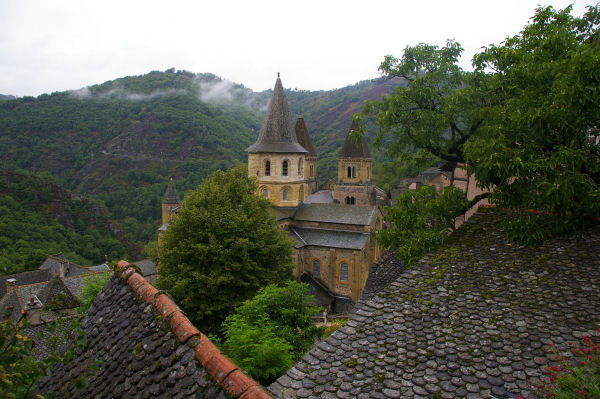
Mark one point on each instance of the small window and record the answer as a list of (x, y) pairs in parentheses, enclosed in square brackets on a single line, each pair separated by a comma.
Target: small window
[(301, 193), (285, 194), (257, 173), (354, 171), (349, 171), (268, 168), (316, 269), (284, 169), (344, 272), (265, 192), (311, 171), (350, 200), (300, 165)]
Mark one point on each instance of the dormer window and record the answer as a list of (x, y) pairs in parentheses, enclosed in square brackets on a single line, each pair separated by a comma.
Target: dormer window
[(284, 168)]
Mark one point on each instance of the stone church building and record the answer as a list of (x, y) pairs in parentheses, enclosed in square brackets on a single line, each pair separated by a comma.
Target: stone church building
[(335, 227)]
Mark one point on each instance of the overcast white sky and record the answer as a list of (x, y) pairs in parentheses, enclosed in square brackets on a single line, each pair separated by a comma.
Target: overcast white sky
[(57, 45)]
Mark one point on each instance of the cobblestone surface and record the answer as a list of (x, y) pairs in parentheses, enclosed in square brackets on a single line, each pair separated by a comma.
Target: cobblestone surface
[(474, 319)]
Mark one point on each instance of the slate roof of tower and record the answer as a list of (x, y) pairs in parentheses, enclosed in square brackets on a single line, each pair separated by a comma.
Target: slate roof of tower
[(276, 133), (476, 318), (146, 348), (171, 195), (351, 150), (330, 238), (303, 136), (335, 213)]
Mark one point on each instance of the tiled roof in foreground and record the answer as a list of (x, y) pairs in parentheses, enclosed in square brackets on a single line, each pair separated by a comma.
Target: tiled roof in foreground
[(146, 348), (474, 319)]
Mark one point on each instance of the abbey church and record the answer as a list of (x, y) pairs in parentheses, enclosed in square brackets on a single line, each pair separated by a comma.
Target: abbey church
[(335, 227)]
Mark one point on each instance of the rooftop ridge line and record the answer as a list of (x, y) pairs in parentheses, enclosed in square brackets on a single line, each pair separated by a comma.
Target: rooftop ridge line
[(226, 373)]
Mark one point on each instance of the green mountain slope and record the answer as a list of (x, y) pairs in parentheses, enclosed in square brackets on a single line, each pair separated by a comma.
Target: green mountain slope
[(119, 142), (38, 218)]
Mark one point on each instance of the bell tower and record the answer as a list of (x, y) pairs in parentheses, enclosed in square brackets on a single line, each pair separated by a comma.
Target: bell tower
[(355, 168), (170, 202), (277, 159)]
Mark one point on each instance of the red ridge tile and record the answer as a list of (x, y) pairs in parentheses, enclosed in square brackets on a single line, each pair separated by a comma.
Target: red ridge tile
[(182, 327), (237, 383), (142, 287), (165, 305), (122, 265), (219, 366)]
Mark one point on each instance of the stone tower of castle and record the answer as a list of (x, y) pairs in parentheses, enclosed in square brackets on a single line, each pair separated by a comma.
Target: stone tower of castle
[(355, 168), (280, 163), (170, 202)]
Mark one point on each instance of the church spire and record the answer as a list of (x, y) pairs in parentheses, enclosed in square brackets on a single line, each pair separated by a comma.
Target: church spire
[(351, 150), (171, 196), (303, 137), (276, 134)]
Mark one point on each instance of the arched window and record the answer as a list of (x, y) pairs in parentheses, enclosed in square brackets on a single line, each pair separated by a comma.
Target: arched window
[(301, 193), (349, 171), (368, 172), (354, 171), (265, 192), (300, 164), (350, 200), (316, 268), (267, 168), (284, 194), (344, 272), (284, 168), (311, 171), (257, 173)]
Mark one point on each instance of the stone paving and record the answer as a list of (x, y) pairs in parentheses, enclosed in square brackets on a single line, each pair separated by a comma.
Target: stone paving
[(474, 319)]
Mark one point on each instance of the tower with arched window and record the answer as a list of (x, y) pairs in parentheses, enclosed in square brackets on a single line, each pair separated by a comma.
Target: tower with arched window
[(355, 168), (283, 158)]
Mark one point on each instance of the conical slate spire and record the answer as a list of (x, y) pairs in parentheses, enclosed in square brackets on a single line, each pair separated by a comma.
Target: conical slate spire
[(351, 150), (303, 137), (171, 196), (276, 134)]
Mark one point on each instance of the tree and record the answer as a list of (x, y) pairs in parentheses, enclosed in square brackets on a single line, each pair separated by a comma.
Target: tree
[(420, 220), (434, 114), (221, 248), (543, 90), (520, 121), (271, 331)]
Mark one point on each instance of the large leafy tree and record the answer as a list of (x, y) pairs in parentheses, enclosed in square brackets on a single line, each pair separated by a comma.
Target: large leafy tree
[(520, 121), (221, 248), (543, 95)]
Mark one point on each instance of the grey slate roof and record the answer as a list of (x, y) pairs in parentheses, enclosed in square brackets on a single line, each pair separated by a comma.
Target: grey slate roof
[(303, 136), (335, 213), (351, 150), (171, 195), (474, 319), (52, 264), (147, 267), (139, 356), (276, 133), (383, 272), (330, 238), (24, 278), (320, 197)]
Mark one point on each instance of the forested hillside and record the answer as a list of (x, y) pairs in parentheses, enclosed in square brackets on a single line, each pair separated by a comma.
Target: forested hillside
[(38, 218), (119, 142)]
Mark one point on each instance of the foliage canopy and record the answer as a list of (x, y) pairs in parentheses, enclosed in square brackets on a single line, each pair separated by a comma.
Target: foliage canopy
[(520, 121), (221, 248), (271, 331)]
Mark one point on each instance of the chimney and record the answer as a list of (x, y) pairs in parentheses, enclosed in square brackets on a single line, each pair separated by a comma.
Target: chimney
[(61, 269)]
